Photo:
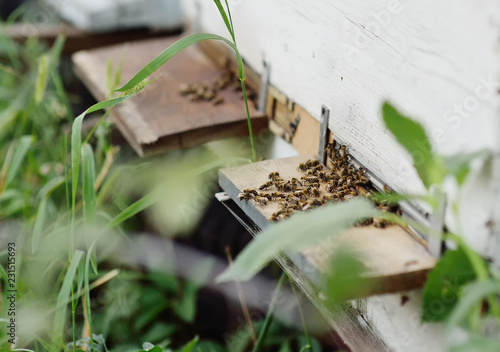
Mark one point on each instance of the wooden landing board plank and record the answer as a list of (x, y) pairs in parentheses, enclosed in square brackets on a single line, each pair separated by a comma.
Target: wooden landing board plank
[(77, 39), (159, 118), (393, 259)]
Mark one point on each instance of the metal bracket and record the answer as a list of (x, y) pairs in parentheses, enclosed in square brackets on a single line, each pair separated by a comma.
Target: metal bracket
[(435, 240), (238, 213), (323, 133), (264, 86)]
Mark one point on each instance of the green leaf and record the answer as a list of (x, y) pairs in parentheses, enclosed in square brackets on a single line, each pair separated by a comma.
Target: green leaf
[(345, 278), (38, 227), (224, 17), (76, 141), (411, 135), (65, 294), (295, 233), (76, 148), (186, 308), (22, 148), (473, 294), (88, 179), (50, 187), (209, 346), (154, 349), (143, 203), (190, 346), (478, 344), (41, 81), (444, 283), (167, 54), (459, 165)]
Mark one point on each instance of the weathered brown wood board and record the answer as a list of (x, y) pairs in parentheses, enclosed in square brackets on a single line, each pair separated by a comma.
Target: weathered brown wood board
[(77, 39), (394, 260), (159, 118)]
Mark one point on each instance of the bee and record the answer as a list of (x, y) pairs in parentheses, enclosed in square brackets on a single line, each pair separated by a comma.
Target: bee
[(387, 189), (341, 171), (302, 194), (311, 179), (316, 202), (274, 176), (364, 179), (348, 180), (318, 168), (185, 89), (209, 94), (332, 175), (296, 182), (276, 195), (266, 195), (330, 149), (261, 200), (266, 185), (322, 176), (378, 222), (274, 218), (245, 196), (313, 191), (302, 167), (251, 191), (217, 101), (384, 207), (311, 163), (330, 187), (342, 152), (293, 199), (328, 199), (310, 173)]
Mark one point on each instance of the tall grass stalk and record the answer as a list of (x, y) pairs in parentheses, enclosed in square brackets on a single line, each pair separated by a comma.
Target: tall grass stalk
[(270, 314)]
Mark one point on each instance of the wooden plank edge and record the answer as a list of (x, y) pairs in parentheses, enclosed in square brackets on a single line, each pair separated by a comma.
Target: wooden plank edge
[(77, 39)]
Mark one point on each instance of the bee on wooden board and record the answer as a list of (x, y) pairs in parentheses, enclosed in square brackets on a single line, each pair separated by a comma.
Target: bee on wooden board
[(261, 200), (245, 196), (266, 185), (302, 167)]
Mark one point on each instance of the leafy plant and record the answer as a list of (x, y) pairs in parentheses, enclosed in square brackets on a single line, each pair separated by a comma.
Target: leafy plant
[(462, 282)]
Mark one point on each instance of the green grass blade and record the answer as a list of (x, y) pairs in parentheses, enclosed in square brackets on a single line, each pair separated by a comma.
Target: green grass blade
[(64, 295), (293, 234), (76, 141), (190, 346), (88, 180), (56, 51), (38, 227), (41, 80), (76, 146), (50, 186), (140, 205), (224, 17), (86, 283), (17, 159), (167, 54)]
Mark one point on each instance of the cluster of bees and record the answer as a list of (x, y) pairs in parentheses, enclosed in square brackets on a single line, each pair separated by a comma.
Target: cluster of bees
[(318, 186), (202, 91)]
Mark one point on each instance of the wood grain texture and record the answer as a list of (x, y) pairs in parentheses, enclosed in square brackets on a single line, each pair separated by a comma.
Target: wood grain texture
[(393, 259), (159, 119), (436, 61)]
